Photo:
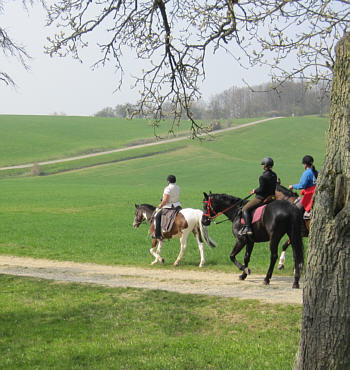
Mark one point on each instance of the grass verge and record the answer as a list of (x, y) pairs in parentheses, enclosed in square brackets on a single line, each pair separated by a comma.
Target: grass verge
[(69, 326)]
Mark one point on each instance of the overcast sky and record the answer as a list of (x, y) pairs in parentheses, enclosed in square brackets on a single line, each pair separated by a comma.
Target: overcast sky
[(63, 85)]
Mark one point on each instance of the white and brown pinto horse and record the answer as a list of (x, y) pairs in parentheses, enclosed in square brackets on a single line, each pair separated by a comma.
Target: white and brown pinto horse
[(187, 220)]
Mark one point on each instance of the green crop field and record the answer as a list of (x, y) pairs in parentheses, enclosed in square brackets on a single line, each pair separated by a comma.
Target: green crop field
[(29, 139), (83, 210), (86, 214)]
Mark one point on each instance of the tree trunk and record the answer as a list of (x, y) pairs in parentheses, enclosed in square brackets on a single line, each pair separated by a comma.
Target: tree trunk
[(325, 334)]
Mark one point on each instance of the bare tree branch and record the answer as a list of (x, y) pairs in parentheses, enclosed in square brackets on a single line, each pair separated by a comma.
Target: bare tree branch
[(10, 49), (173, 39)]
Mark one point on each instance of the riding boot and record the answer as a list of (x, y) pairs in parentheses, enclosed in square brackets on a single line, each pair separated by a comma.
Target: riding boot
[(247, 223), (158, 228)]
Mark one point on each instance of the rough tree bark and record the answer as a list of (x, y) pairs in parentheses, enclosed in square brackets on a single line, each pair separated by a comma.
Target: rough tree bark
[(325, 335)]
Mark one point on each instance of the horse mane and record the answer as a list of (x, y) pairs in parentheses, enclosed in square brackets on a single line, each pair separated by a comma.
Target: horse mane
[(225, 197), (286, 192), (146, 205)]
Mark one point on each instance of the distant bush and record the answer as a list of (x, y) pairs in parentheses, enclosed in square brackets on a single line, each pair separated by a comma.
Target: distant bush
[(36, 170), (216, 125)]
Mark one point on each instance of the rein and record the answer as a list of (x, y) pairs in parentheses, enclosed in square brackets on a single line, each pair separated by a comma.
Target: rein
[(210, 207)]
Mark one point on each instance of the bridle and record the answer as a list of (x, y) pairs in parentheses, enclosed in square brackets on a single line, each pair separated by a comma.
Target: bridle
[(212, 214), (139, 218)]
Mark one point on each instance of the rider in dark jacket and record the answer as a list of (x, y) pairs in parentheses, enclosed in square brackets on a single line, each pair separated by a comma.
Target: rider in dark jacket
[(267, 187)]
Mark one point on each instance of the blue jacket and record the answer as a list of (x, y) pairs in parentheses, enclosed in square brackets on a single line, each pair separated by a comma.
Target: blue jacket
[(307, 180)]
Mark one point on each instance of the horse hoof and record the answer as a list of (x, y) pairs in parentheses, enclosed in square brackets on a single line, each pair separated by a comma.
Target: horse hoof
[(242, 277), (153, 263), (163, 261), (266, 282), (280, 266), (296, 286)]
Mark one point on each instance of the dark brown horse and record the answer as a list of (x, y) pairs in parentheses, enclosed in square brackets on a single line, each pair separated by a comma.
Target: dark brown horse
[(279, 218), (283, 193), (187, 220)]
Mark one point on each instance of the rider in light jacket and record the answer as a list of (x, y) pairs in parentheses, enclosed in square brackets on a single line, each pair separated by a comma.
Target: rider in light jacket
[(170, 199)]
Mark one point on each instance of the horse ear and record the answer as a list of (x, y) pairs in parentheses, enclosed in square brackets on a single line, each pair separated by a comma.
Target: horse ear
[(136, 205), (210, 192), (205, 195)]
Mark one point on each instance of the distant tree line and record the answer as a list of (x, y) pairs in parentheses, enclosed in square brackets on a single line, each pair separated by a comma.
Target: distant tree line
[(291, 98)]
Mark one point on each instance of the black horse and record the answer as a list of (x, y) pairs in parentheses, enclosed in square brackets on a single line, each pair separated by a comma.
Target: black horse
[(279, 217)]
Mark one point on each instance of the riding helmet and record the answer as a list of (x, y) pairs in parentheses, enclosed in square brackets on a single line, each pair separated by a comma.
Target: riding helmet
[(308, 160), (171, 179), (267, 161)]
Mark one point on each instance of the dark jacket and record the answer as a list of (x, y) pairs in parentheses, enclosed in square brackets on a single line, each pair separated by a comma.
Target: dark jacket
[(267, 185)]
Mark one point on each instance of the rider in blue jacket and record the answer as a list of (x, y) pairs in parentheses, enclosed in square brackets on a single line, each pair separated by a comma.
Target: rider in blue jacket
[(309, 176), (307, 180), (307, 184)]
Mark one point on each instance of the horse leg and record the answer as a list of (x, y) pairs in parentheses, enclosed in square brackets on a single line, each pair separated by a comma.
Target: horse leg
[(248, 252), (297, 271), (283, 255), (156, 253), (236, 249), (298, 253), (273, 257), (197, 234), (183, 245)]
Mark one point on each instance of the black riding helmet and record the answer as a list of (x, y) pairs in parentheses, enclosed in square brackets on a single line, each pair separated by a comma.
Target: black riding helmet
[(267, 161), (171, 179), (308, 160)]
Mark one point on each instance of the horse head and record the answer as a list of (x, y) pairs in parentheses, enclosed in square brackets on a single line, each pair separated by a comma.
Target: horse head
[(207, 210), (143, 212), (138, 217), (215, 205)]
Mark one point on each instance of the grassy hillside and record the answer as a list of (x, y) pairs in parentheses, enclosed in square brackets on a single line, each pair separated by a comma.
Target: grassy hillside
[(28, 139), (86, 215)]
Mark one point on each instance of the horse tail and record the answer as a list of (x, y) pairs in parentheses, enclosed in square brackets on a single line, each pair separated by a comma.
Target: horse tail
[(205, 235), (296, 238)]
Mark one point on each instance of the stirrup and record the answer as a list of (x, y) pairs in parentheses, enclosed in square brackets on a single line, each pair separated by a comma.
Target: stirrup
[(157, 237), (307, 215), (245, 230)]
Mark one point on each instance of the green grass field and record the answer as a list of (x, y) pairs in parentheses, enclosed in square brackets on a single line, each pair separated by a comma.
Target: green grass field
[(48, 325), (86, 214), (29, 139)]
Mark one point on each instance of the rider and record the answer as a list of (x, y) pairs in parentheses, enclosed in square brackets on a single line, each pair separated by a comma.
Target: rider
[(307, 183), (266, 189), (170, 199)]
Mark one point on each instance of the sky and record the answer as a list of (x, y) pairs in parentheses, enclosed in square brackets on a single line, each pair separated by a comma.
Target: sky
[(66, 86)]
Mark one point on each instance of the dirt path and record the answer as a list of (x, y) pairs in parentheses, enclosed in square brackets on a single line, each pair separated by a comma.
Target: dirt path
[(174, 280), (135, 146)]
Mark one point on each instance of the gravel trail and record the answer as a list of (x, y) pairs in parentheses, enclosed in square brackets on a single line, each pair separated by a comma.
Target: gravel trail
[(203, 281)]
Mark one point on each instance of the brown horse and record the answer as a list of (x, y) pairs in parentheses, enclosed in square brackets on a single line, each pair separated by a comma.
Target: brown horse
[(283, 193), (187, 220)]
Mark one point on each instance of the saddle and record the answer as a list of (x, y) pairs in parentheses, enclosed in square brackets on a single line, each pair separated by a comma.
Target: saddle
[(257, 214), (167, 218)]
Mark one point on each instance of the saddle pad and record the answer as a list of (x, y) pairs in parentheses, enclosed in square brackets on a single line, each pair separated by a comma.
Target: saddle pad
[(257, 215), (168, 218)]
